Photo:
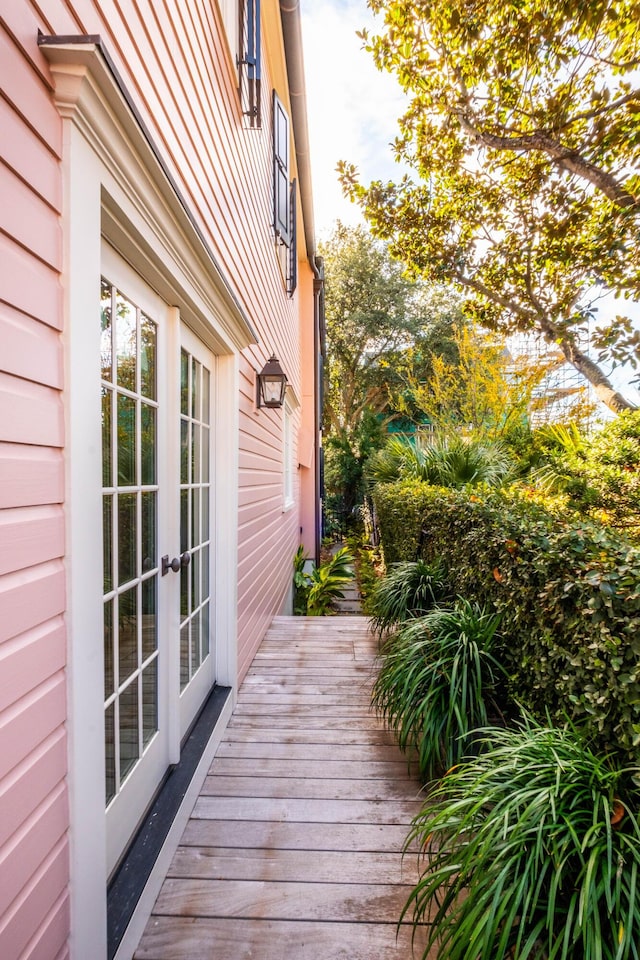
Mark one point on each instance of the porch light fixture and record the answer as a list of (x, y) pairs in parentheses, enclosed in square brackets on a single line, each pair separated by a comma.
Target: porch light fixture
[(272, 383)]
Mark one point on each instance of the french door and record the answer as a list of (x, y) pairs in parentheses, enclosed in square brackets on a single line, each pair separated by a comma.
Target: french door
[(196, 615), (157, 393)]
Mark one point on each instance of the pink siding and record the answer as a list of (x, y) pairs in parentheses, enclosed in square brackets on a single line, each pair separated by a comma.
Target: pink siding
[(42, 897), (173, 59), (34, 918)]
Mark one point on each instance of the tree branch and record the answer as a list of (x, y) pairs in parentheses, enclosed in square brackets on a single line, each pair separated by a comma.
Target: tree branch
[(570, 160), (553, 334), (599, 111)]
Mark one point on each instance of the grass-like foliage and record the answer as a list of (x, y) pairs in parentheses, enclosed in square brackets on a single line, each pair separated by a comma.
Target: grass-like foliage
[(532, 850), (436, 682), (410, 589)]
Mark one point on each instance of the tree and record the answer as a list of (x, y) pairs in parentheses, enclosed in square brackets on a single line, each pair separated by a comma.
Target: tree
[(523, 127), (490, 391), (374, 315)]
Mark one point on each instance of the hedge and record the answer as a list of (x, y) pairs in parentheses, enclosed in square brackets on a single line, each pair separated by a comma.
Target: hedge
[(568, 592)]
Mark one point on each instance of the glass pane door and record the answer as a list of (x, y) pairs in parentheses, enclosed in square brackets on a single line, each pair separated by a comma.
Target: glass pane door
[(137, 490), (196, 669), (130, 490)]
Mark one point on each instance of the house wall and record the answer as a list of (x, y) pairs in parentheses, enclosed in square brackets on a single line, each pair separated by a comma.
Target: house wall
[(33, 804), (175, 62)]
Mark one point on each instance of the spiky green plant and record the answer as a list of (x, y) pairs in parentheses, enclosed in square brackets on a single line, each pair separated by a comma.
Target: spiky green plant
[(409, 590), (436, 682), (531, 850), (326, 582), (450, 462)]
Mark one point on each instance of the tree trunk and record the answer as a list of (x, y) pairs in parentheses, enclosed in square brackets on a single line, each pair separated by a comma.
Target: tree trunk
[(602, 386), (589, 369)]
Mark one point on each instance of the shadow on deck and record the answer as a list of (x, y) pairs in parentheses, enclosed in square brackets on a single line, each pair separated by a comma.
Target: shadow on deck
[(293, 848)]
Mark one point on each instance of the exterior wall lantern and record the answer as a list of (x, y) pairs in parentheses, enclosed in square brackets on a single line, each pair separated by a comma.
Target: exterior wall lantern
[(272, 383)]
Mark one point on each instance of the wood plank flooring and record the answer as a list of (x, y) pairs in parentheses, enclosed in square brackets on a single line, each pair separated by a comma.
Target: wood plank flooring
[(293, 849)]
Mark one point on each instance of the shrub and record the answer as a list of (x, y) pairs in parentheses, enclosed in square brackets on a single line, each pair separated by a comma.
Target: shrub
[(314, 592), (408, 590), (600, 472), (436, 680), (568, 592), (531, 849), (451, 462)]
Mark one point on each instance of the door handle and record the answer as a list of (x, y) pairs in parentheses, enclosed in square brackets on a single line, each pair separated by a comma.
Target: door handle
[(178, 563)]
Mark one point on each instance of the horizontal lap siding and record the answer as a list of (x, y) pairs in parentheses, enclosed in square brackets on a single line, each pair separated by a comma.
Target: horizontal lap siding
[(34, 919), (173, 60)]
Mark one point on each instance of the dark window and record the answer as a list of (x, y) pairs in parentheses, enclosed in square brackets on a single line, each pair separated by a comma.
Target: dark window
[(281, 190), (249, 61)]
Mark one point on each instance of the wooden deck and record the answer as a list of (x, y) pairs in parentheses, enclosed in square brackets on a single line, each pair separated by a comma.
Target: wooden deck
[(293, 849)]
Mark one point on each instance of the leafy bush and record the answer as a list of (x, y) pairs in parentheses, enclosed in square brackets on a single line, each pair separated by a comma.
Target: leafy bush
[(436, 680), (316, 590), (600, 472), (568, 592), (408, 590), (531, 849)]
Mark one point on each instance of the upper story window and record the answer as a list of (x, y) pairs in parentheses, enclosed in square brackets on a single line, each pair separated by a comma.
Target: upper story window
[(241, 20), (281, 191), (249, 60), (284, 193), (230, 10)]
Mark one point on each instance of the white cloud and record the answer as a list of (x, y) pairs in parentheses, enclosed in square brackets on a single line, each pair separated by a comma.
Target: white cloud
[(352, 107)]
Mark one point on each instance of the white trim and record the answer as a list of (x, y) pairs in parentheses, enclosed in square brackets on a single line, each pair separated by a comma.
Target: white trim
[(83, 472), (115, 185), (227, 468)]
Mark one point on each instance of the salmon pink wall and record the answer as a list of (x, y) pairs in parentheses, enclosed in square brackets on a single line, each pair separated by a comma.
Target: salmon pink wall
[(174, 61), (34, 911)]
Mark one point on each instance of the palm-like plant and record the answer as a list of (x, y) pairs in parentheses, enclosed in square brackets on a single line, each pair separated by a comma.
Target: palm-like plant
[(326, 582), (530, 851), (436, 682), (410, 589), (453, 462), (398, 459)]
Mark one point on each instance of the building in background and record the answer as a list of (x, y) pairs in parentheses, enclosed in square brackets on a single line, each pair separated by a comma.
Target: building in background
[(157, 248)]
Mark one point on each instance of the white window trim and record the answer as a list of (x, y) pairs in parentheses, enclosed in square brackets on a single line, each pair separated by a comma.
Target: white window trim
[(116, 186)]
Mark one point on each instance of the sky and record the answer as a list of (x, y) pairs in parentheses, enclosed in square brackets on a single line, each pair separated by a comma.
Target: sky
[(352, 107), (352, 114)]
